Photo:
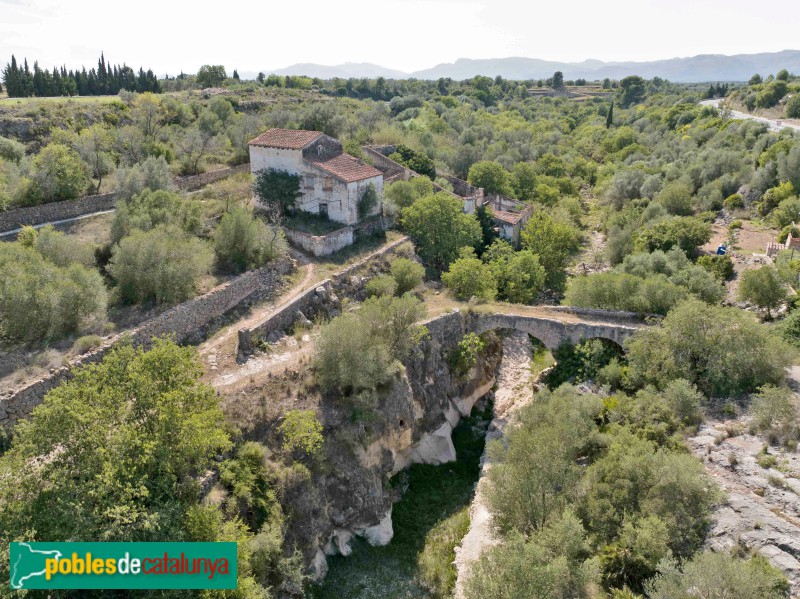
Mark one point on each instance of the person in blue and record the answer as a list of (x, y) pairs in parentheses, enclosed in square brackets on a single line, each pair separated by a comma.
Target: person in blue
[(722, 249)]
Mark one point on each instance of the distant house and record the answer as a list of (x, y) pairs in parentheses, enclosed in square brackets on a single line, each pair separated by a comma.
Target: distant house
[(333, 182)]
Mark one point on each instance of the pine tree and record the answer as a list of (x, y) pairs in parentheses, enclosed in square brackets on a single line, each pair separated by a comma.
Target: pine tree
[(610, 116), (235, 74)]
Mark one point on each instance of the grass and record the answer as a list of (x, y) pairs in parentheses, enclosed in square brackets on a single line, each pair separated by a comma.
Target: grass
[(76, 99), (432, 510)]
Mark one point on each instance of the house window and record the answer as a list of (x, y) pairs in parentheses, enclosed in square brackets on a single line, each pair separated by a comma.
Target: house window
[(323, 210), (327, 184)]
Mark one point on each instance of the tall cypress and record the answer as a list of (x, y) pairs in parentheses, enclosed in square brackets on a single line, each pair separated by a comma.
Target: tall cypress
[(610, 116)]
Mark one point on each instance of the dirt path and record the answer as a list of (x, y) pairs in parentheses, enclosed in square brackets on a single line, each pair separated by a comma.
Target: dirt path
[(514, 390), (220, 349)]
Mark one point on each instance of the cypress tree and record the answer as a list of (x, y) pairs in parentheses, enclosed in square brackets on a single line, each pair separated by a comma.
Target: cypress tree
[(610, 116)]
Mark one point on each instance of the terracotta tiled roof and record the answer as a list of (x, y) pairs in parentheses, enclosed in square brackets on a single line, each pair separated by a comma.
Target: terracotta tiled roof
[(288, 139), (507, 217), (347, 168)]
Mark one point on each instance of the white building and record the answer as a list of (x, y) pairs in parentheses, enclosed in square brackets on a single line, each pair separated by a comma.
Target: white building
[(333, 182)]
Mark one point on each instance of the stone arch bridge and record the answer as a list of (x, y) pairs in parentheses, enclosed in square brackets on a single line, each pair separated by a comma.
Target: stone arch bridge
[(552, 325)]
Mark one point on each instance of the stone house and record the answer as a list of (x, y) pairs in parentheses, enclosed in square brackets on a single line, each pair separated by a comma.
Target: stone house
[(333, 182)]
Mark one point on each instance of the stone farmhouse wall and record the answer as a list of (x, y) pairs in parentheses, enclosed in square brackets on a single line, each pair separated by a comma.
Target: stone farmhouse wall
[(46, 213), (183, 321), (324, 245)]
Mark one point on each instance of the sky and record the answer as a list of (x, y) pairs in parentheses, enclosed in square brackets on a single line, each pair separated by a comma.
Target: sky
[(170, 36)]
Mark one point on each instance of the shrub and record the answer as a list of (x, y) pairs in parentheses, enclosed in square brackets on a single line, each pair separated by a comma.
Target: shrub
[(85, 343), (685, 232), (676, 197), (152, 174), (42, 301), (301, 432), (553, 239), (733, 202), (469, 277), (380, 286), (519, 275), (466, 353), (368, 201), (581, 362), (58, 174), (793, 107), (359, 351), (162, 265), (773, 405), (58, 248), (723, 351), (407, 274), (149, 209), (719, 266), (243, 242), (436, 560)]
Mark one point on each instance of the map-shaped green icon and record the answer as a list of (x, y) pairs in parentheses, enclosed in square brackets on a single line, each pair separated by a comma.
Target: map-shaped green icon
[(27, 563)]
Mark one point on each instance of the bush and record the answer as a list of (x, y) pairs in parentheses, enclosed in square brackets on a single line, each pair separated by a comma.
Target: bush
[(301, 432), (359, 351), (772, 406), (762, 287), (58, 174), (720, 266), (243, 242), (162, 265), (466, 353), (380, 286), (676, 197), (468, 277), (581, 362), (793, 107), (733, 202), (152, 174), (519, 275), (407, 274), (436, 560), (685, 232), (553, 239), (711, 574), (368, 201), (42, 301), (723, 351), (56, 247), (85, 343)]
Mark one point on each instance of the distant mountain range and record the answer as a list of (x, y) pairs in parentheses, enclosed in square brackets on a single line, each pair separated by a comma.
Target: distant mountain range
[(701, 68)]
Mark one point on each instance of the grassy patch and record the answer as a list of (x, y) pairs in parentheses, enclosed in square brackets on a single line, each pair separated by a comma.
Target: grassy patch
[(428, 523), (313, 224)]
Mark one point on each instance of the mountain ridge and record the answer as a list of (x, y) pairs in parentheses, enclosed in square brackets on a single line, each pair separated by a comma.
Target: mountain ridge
[(691, 69)]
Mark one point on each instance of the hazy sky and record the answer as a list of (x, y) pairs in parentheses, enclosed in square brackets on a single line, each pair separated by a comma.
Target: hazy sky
[(174, 35)]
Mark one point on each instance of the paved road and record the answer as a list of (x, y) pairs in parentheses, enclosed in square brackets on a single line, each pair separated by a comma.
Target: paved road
[(774, 125)]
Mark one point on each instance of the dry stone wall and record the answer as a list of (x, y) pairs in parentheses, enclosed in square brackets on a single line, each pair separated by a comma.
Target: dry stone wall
[(184, 321), (46, 213)]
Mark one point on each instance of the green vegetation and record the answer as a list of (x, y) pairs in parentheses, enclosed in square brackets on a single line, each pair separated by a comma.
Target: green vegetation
[(162, 265), (301, 432), (407, 274), (763, 288), (469, 277), (243, 242), (359, 351), (723, 351), (43, 300), (439, 229)]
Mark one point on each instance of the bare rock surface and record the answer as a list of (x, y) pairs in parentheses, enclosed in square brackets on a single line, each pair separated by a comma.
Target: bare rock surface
[(762, 509)]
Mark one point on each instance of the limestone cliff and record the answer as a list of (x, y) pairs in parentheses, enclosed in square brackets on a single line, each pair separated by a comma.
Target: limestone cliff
[(411, 423)]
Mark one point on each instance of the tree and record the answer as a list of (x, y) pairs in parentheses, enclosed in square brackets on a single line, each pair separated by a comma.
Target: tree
[(439, 229), (631, 91), (162, 265), (94, 147), (724, 351), (407, 274), (558, 80), (610, 116), (243, 242), (553, 240), (783, 75), (755, 80), (368, 201), (524, 181), (211, 75), (58, 174), (358, 351), (491, 176), (152, 174), (534, 467), (519, 275), (148, 114), (793, 107), (469, 277), (279, 190), (200, 141), (763, 288), (119, 446)]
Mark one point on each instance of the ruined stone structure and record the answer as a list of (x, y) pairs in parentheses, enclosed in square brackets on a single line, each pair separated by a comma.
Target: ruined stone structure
[(509, 214), (333, 182)]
